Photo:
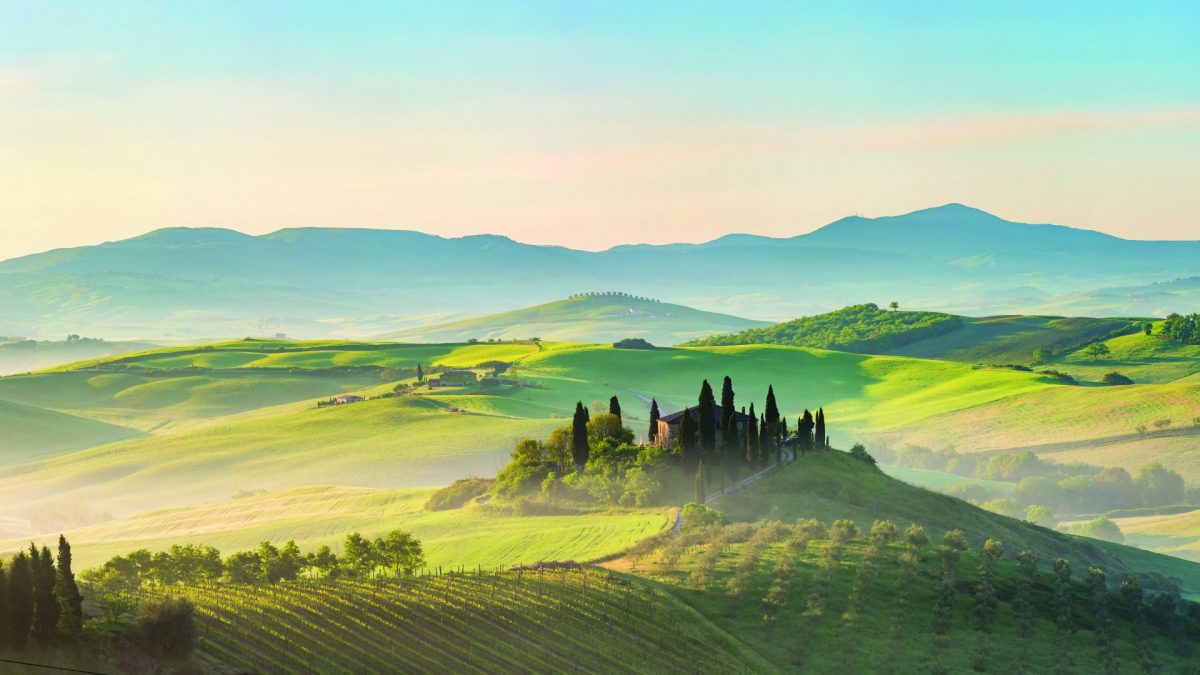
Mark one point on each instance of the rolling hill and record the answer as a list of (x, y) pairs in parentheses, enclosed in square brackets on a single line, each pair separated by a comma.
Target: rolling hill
[(599, 317), (182, 282)]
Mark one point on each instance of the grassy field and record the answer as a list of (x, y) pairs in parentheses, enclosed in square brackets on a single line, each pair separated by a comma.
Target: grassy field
[(323, 515), (940, 480), (1177, 534), (31, 434), (585, 318), (1010, 339), (1142, 358), (395, 442)]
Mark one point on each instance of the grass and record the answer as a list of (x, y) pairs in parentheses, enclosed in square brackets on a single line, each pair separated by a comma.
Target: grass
[(833, 485), (586, 318), (1177, 534), (941, 481), (323, 515), (1142, 358), (31, 434), (395, 442), (1010, 339)]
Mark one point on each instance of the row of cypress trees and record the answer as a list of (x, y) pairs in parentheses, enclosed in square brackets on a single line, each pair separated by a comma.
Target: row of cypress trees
[(763, 436), (39, 600)]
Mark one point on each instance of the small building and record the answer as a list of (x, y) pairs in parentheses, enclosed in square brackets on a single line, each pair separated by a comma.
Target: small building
[(453, 378), (347, 398), (668, 425)]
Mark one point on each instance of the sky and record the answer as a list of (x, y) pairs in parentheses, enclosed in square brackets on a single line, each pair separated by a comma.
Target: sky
[(591, 124)]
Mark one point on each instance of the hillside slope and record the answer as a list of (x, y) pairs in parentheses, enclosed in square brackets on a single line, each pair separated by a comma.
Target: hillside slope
[(602, 317), (1011, 339)]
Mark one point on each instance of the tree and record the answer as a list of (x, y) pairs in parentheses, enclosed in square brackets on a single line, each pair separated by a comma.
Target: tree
[(706, 422), (20, 599), (606, 429), (700, 487), (1159, 486), (1148, 328), (1062, 612), (168, 626), (1116, 379), (729, 430), (70, 618), (45, 605), (359, 556), (400, 551), (1097, 584), (770, 433), (244, 567), (1042, 355), (819, 437), (654, 415), (559, 448), (893, 305), (1039, 515), (1097, 350), (579, 436), (804, 430), (420, 373), (753, 451), (687, 441), (614, 407)]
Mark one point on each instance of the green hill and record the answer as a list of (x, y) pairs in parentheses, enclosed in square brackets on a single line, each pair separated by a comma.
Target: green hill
[(860, 328), (31, 434), (599, 317), (1140, 357), (1012, 339)]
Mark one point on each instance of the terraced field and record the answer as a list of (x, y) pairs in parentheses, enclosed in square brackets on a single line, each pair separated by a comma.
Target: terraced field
[(586, 620)]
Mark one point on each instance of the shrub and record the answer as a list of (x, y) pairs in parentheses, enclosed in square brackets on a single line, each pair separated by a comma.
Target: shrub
[(843, 531), (698, 515), (1100, 527), (1116, 379), (860, 453), (457, 493), (167, 626), (632, 343)]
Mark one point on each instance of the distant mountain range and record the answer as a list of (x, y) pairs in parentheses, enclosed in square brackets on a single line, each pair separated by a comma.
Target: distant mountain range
[(593, 317), (313, 282)]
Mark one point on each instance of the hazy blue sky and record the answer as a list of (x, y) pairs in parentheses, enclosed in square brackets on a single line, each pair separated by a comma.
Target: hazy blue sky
[(592, 123)]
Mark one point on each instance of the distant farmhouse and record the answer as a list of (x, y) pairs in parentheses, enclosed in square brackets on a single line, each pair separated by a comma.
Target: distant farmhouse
[(668, 425), (347, 398), (453, 378)]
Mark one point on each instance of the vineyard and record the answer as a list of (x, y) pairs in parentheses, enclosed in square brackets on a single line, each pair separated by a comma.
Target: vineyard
[(554, 618)]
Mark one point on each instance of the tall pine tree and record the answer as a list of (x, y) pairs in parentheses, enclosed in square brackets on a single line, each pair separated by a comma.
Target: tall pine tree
[(654, 415), (420, 373), (729, 435), (579, 438), (45, 605), (819, 430), (614, 407), (20, 600), (70, 618), (705, 420)]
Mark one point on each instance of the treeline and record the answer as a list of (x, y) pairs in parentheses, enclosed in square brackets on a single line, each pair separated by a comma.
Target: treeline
[(594, 458), (40, 601), (858, 328), (1183, 328), (1059, 488), (397, 554)]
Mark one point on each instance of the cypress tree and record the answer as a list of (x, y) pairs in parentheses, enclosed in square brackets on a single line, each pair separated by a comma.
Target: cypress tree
[(805, 430), (5, 630), (819, 440), (614, 407), (707, 423), (654, 415), (45, 605), (770, 435), (687, 441), (20, 600), (579, 439), (752, 449), (700, 490), (729, 434), (70, 618), (420, 373), (764, 441)]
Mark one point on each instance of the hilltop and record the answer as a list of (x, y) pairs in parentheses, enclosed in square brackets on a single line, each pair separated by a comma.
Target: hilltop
[(315, 282), (588, 317)]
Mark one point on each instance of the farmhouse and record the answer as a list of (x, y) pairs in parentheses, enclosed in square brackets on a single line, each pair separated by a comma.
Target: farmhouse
[(668, 425), (453, 378), (347, 398)]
